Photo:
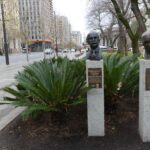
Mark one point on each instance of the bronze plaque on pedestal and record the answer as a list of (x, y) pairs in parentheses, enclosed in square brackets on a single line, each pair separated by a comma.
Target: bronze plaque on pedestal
[(147, 80), (95, 77)]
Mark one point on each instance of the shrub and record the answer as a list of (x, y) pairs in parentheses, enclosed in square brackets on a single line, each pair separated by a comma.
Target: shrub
[(121, 76), (49, 85)]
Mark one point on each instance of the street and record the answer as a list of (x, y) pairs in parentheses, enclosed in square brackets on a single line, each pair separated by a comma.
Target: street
[(17, 61), (21, 57)]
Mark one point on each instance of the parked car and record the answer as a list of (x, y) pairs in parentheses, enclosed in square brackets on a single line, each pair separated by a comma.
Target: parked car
[(24, 50), (72, 50), (130, 49), (103, 48), (115, 48), (48, 51), (65, 50)]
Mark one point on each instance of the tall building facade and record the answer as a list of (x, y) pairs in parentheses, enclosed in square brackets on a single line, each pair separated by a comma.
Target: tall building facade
[(63, 27), (12, 26), (77, 38), (36, 17)]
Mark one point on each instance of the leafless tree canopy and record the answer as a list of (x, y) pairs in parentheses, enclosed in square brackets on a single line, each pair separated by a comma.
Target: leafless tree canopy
[(128, 15)]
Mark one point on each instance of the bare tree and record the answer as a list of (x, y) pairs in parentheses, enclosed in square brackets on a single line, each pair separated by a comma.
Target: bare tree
[(12, 21), (99, 18), (120, 10), (134, 36), (106, 7), (138, 15), (147, 6)]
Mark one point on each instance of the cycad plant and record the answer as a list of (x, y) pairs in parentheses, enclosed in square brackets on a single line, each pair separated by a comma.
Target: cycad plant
[(121, 76), (130, 78), (49, 85)]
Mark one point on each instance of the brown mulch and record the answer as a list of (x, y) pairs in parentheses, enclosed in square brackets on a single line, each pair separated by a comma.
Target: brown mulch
[(68, 131)]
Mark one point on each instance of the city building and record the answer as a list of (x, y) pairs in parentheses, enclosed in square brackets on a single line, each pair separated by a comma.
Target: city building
[(77, 38), (63, 33), (12, 26), (36, 21), (109, 37)]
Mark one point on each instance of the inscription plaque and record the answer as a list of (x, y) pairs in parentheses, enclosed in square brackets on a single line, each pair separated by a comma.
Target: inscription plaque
[(147, 81), (95, 77)]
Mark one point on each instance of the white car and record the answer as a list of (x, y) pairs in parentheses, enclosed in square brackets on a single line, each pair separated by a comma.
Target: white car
[(72, 50), (65, 50), (84, 50), (103, 48), (48, 51)]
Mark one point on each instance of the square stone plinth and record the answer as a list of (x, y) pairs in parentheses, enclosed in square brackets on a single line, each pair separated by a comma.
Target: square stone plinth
[(95, 98), (144, 101)]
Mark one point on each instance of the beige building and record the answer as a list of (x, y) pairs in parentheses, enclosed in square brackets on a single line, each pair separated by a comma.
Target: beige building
[(63, 31), (36, 17), (12, 26), (77, 38)]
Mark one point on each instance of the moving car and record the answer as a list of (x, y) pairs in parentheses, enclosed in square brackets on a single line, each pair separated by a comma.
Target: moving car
[(24, 50), (48, 51), (103, 48), (65, 50)]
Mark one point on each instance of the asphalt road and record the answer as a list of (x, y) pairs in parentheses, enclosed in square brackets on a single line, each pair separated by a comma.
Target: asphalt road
[(17, 61), (22, 57)]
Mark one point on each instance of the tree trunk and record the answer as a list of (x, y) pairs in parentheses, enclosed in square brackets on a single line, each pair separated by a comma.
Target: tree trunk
[(138, 15), (122, 39), (135, 45), (133, 36)]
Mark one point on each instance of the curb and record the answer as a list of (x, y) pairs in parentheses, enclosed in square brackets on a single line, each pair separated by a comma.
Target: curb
[(9, 114)]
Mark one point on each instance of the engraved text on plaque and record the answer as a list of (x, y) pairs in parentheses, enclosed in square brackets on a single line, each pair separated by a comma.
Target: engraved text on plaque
[(147, 81), (95, 77)]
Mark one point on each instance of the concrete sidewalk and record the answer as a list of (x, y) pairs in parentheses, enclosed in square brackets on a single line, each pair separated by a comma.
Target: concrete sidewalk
[(7, 73), (9, 112)]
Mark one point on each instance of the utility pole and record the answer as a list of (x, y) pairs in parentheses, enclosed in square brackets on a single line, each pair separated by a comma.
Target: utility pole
[(70, 40), (4, 32), (56, 48)]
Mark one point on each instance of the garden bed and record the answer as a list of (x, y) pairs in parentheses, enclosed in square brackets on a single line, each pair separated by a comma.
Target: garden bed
[(68, 131)]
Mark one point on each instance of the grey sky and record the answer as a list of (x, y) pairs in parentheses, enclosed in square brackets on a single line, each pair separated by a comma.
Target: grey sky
[(75, 10)]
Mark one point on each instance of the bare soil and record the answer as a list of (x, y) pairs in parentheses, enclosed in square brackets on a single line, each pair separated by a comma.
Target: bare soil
[(68, 131)]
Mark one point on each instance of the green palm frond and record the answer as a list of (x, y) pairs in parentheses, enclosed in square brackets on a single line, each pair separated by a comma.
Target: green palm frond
[(120, 74), (50, 83)]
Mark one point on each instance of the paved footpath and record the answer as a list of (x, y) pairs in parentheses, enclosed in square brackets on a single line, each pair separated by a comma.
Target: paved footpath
[(9, 112), (7, 74)]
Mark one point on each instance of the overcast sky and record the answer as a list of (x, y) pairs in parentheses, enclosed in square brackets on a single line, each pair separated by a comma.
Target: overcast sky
[(75, 10)]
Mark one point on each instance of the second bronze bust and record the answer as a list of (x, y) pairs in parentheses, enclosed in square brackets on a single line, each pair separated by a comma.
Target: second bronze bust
[(93, 41)]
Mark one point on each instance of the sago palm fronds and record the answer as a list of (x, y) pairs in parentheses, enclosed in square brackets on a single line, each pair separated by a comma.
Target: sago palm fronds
[(49, 85)]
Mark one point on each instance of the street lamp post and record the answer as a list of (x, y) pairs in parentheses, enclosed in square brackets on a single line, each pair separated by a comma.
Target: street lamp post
[(26, 37), (56, 48), (4, 32), (70, 39)]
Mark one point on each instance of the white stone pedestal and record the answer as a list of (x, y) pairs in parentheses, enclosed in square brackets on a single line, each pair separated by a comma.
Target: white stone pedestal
[(144, 100), (95, 98)]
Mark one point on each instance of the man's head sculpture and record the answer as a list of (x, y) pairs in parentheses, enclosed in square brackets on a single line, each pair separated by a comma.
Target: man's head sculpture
[(146, 43), (93, 40)]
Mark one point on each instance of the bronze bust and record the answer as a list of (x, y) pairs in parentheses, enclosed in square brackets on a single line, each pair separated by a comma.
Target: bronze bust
[(93, 41), (146, 43)]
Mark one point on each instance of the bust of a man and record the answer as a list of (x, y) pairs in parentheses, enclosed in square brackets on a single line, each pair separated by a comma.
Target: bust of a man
[(146, 43), (93, 41)]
